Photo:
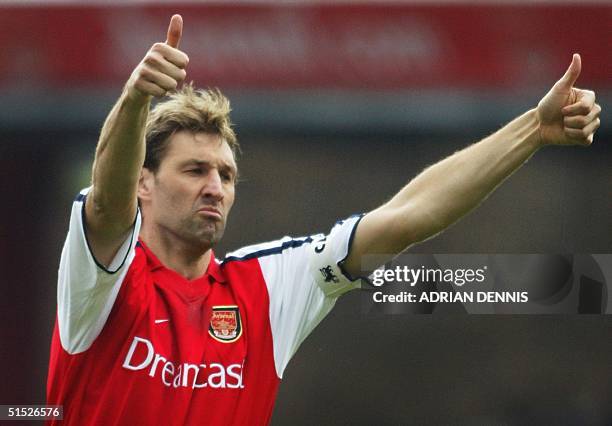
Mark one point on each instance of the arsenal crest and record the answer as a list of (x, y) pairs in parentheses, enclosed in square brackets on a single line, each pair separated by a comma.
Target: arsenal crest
[(225, 324)]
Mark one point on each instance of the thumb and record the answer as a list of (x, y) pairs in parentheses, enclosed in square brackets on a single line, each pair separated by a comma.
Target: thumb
[(572, 73), (175, 31)]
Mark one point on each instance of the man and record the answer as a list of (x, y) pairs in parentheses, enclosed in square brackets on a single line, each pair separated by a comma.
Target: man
[(152, 329)]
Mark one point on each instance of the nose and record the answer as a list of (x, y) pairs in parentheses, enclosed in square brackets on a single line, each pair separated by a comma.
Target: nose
[(213, 187)]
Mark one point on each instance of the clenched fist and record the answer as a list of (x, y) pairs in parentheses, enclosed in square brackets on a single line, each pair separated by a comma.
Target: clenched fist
[(163, 67), (568, 115)]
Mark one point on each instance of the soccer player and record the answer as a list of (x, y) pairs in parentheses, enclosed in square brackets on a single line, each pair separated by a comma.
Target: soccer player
[(153, 330)]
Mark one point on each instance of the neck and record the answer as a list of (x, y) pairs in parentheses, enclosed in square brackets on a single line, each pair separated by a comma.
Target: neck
[(189, 260)]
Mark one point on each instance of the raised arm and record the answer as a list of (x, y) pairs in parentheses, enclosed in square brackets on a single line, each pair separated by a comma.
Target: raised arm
[(448, 190), (111, 204)]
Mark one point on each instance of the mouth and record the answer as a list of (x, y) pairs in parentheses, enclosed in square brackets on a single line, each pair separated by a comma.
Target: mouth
[(210, 212)]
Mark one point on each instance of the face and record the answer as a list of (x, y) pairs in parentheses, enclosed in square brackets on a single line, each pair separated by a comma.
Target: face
[(193, 190)]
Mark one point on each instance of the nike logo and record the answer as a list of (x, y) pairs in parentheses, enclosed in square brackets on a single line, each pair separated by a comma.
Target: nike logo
[(159, 321)]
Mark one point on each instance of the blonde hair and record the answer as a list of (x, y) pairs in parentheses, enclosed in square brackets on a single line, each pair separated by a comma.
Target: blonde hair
[(187, 109)]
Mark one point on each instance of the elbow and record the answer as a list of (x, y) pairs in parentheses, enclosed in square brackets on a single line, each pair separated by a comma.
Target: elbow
[(103, 214)]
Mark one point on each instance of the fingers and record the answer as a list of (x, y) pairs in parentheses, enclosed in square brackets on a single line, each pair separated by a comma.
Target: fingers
[(585, 99), (175, 56), (155, 68), (149, 88), (175, 31), (174, 68), (160, 79), (584, 135), (581, 121), (571, 75)]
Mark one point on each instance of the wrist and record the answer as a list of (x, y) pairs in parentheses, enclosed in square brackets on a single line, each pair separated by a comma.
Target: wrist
[(534, 136), (135, 99)]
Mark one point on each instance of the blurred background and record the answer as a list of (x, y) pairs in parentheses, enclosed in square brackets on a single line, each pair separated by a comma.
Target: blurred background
[(337, 105)]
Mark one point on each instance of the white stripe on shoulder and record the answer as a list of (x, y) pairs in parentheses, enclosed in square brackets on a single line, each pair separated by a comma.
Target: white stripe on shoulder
[(270, 247)]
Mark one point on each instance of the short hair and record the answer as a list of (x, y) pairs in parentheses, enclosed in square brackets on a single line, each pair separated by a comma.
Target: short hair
[(187, 109)]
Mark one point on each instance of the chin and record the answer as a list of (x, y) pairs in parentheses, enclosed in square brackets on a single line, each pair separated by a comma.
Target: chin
[(204, 235), (210, 239)]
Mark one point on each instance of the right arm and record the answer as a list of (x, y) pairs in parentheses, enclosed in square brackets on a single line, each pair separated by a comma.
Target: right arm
[(111, 205)]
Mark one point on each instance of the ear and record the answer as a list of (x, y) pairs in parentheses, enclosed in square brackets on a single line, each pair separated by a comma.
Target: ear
[(145, 184)]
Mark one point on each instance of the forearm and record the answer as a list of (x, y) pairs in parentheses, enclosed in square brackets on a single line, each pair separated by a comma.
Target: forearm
[(119, 157), (448, 190)]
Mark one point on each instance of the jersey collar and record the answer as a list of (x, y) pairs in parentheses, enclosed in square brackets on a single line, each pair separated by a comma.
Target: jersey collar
[(214, 269), (213, 272)]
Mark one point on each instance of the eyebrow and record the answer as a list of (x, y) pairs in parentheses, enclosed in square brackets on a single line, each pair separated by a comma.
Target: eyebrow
[(200, 163)]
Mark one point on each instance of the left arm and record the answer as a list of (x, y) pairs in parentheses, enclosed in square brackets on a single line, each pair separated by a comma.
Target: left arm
[(449, 189)]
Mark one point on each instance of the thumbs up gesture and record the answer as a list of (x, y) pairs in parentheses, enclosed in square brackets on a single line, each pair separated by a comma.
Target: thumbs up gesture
[(163, 67), (568, 115)]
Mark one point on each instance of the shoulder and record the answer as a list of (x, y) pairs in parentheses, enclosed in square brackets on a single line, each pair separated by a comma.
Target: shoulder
[(270, 248)]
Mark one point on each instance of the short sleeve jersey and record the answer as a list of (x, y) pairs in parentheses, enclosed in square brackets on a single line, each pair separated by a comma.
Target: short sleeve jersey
[(136, 343)]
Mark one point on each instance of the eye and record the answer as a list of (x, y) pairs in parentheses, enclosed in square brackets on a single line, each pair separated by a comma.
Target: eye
[(194, 171), (227, 177)]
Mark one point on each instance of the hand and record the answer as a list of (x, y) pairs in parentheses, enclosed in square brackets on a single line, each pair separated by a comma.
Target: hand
[(567, 115), (163, 67)]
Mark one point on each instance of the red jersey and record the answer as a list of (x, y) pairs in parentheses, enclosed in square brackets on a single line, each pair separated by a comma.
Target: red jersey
[(136, 343)]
